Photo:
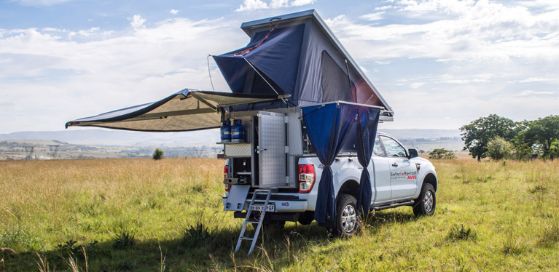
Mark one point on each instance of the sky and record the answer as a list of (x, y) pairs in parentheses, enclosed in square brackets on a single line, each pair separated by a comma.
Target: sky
[(438, 63)]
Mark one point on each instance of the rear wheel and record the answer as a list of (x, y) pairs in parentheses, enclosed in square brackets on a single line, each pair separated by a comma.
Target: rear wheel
[(305, 218), (427, 201), (347, 216)]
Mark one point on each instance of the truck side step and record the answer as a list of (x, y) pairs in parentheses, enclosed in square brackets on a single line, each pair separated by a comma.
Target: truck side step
[(393, 205), (249, 220)]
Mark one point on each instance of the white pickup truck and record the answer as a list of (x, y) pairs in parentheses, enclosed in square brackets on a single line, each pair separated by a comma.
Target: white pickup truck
[(398, 178)]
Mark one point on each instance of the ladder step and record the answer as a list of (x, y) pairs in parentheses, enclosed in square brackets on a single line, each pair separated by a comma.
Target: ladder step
[(247, 238), (253, 221), (259, 192)]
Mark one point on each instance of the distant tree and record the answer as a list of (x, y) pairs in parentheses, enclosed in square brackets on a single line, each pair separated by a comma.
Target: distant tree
[(554, 149), (441, 154), (499, 148), (477, 134), (157, 154), (521, 149), (542, 133)]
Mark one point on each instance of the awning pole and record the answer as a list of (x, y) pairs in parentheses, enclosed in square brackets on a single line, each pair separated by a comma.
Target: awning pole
[(209, 71), (273, 89)]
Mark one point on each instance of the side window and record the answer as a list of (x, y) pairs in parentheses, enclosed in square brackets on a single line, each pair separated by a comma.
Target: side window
[(378, 150), (393, 148), (334, 80)]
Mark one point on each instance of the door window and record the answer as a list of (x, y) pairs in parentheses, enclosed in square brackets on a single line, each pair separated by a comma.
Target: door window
[(393, 148), (378, 150)]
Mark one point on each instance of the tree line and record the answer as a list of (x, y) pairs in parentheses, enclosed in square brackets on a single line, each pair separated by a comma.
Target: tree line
[(498, 137)]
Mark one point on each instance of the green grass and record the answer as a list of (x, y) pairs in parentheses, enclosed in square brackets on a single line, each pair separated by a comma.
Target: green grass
[(145, 215)]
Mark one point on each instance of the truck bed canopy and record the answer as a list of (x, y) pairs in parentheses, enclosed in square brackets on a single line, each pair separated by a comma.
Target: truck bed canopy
[(297, 54), (185, 110)]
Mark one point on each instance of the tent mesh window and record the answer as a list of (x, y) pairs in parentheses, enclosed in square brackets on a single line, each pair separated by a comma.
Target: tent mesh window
[(334, 80)]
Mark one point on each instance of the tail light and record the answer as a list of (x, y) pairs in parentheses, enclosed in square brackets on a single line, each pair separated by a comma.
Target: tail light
[(307, 177), (225, 175)]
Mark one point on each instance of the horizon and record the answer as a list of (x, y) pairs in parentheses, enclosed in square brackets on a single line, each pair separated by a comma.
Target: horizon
[(439, 64)]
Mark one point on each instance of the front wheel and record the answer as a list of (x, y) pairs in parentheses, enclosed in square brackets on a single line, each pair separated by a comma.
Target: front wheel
[(347, 216), (427, 201)]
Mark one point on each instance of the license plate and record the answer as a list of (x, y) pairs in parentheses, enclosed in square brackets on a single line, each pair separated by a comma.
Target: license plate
[(268, 208)]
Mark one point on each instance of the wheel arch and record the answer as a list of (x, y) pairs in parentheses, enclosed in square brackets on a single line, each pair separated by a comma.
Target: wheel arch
[(430, 178), (350, 187)]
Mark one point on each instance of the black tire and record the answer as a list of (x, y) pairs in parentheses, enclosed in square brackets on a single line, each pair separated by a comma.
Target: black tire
[(305, 218), (427, 201), (348, 219)]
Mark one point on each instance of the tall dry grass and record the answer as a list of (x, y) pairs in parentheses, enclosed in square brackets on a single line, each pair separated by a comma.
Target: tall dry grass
[(145, 215)]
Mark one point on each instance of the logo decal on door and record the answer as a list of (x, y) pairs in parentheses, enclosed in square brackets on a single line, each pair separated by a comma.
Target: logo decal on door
[(409, 175)]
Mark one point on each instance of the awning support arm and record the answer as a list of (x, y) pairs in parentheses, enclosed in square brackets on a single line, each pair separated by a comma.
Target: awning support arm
[(258, 72)]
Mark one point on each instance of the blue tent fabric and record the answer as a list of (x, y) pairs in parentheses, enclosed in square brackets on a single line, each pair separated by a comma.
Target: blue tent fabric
[(273, 53), (327, 126), (330, 128), (367, 124)]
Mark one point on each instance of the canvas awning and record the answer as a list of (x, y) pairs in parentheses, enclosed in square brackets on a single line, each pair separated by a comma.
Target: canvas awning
[(186, 110)]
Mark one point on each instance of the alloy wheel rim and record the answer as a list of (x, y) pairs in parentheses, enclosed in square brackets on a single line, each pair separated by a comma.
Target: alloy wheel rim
[(428, 201), (349, 218)]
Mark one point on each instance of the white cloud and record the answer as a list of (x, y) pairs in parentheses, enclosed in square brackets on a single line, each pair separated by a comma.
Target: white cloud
[(535, 93), (174, 11), (252, 5), (248, 5), (375, 16), (137, 21), (51, 76), (298, 3), (279, 4), (472, 30), (417, 85)]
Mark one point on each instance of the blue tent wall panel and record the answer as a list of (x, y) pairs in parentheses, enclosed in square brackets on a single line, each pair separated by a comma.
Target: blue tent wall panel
[(330, 127), (366, 128), (327, 126)]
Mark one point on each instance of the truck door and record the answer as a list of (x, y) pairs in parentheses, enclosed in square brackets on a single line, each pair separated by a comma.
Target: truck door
[(271, 150), (381, 173), (403, 174)]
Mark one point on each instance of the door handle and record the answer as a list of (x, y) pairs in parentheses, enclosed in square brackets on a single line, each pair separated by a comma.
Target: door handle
[(395, 164)]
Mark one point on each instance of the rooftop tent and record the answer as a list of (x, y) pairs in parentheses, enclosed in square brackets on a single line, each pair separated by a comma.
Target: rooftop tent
[(297, 55), (185, 110)]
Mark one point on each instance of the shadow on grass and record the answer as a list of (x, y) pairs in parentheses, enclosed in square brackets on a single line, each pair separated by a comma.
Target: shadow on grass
[(199, 248), (196, 249)]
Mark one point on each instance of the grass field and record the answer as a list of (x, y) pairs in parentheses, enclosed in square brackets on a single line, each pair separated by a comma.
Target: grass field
[(145, 215)]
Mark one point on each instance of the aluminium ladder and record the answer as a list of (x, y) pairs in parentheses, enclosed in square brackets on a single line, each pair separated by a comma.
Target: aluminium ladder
[(258, 221)]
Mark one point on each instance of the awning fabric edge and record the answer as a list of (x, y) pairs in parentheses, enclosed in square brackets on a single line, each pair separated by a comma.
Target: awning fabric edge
[(186, 110)]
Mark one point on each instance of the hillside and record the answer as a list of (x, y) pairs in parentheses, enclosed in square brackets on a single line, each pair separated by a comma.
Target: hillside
[(100, 143)]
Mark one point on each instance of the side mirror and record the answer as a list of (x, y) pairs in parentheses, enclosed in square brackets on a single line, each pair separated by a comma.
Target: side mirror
[(412, 153)]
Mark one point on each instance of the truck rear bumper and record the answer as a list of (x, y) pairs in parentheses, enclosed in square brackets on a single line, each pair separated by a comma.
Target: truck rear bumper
[(281, 205)]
